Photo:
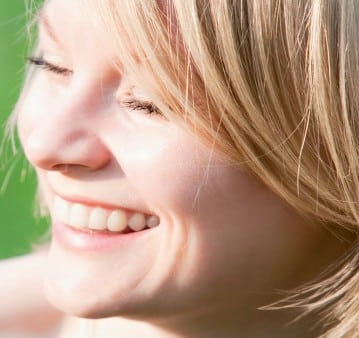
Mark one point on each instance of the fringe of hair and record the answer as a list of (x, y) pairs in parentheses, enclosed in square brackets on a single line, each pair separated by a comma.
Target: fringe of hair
[(279, 87)]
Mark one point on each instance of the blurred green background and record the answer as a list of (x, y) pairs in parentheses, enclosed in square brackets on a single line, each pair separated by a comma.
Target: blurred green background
[(19, 227)]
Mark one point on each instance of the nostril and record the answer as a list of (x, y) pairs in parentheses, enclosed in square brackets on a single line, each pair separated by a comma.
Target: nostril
[(60, 167), (68, 167), (66, 149)]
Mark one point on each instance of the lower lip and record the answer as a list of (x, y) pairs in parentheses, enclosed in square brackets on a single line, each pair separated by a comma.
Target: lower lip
[(75, 239)]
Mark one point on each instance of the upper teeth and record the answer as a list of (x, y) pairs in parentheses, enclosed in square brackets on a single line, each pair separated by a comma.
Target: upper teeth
[(96, 218)]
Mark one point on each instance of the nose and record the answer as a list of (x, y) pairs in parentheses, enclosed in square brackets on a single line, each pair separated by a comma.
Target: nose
[(60, 144)]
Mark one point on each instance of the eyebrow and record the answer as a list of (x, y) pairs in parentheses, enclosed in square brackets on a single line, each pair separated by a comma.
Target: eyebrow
[(43, 20)]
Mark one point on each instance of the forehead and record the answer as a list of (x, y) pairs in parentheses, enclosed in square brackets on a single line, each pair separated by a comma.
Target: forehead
[(62, 12), (77, 27)]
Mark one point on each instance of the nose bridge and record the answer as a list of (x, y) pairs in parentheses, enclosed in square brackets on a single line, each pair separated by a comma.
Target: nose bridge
[(68, 137)]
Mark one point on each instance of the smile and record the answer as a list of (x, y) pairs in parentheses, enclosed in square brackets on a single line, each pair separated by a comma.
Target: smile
[(83, 217)]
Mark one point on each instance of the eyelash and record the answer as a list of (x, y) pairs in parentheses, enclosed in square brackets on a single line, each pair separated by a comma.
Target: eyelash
[(132, 104), (147, 106), (42, 63)]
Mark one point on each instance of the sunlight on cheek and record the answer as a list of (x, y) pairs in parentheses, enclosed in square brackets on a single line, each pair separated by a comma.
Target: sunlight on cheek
[(148, 150)]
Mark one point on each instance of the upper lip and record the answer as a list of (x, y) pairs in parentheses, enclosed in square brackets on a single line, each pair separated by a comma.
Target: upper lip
[(89, 202), (122, 198), (95, 203)]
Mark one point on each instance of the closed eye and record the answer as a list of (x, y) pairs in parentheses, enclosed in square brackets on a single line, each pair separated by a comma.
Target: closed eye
[(51, 67), (147, 106)]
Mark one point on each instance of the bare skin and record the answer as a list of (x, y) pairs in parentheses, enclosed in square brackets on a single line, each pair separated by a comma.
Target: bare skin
[(24, 309), (224, 242)]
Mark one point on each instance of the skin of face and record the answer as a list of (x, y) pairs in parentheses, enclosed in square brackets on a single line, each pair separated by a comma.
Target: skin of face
[(224, 241)]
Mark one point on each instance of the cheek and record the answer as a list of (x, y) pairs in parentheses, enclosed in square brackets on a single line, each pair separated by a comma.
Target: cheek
[(33, 108), (166, 166)]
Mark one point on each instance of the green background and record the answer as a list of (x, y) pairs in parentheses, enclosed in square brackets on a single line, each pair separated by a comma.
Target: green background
[(19, 227)]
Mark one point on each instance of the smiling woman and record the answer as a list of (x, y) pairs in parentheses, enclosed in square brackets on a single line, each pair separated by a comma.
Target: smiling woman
[(195, 158)]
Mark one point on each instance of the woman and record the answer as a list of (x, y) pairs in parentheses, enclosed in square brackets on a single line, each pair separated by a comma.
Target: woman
[(199, 163)]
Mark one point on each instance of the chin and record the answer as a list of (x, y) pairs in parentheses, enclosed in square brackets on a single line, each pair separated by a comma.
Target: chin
[(76, 298), (86, 302), (83, 286)]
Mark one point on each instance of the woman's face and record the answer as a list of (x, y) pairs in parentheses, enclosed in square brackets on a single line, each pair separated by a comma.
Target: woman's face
[(104, 161)]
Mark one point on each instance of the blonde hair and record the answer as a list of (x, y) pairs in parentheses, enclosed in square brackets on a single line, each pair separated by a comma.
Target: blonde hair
[(273, 85)]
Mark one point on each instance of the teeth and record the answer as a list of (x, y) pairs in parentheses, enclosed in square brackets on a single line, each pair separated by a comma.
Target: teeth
[(98, 219), (79, 215), (61, 210), (137, 222), (95, 218), (152, 221), (117, 221)]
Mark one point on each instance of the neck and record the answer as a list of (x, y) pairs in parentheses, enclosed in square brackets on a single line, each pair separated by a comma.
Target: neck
[(258, 324)]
